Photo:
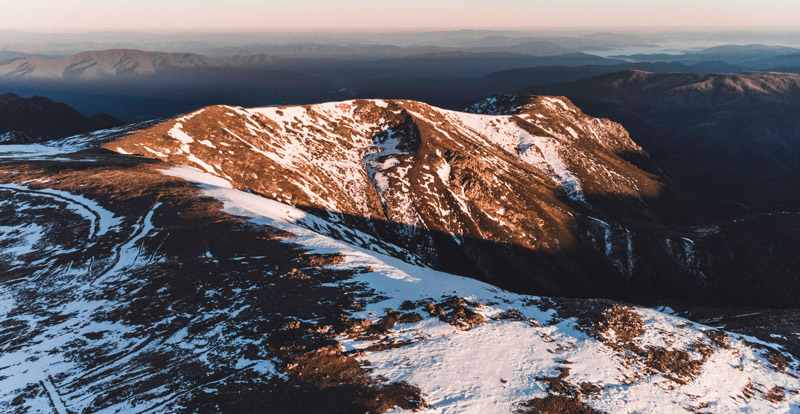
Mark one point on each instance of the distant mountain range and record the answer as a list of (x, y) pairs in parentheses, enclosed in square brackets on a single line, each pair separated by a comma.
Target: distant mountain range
[(135, 85), (122, 63), (469, 61), (26, 120), (339, 45), (749, 57)]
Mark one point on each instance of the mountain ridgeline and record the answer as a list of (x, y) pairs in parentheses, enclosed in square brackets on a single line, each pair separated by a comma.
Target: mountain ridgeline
[(137, 85), (525, 192)]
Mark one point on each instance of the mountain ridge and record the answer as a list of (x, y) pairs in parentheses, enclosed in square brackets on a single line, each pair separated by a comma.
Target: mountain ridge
[(105, 64), (174, 274), (530, 194)]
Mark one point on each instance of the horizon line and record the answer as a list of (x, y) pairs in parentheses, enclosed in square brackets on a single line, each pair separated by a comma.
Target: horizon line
[(607, 29)]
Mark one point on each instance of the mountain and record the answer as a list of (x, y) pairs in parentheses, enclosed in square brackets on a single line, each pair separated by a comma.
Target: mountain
[(101, 64), (724, 135), (136, 86), (25, 120), (748, 57), (457, 92), (144, 284), (400, 170), (527, 193)]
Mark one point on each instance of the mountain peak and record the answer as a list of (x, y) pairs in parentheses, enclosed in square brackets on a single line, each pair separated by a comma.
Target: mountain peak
[(443, 184)]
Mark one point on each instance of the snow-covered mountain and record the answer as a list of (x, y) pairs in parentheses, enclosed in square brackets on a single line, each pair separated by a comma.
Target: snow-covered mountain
[(476, 194), (524, 192), (138, 286), (307, 259)]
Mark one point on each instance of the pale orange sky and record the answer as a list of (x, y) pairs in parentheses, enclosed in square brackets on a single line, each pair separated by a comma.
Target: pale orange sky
[(396, 14)]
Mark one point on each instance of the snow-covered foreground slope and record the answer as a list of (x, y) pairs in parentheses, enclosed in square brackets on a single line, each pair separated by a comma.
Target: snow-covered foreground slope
[(68, 145), (126, 288), (489, 351)]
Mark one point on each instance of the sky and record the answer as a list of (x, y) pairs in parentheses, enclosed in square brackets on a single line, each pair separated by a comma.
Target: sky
[(395, 14)]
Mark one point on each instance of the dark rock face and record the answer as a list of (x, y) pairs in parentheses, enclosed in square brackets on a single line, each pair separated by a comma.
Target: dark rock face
[(38, 119)]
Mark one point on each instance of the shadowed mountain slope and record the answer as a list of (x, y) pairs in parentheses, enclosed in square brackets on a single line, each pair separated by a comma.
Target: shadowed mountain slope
[(36, 119), (730, 136)]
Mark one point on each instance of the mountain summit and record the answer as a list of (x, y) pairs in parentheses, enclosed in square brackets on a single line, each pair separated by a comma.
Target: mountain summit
[(524, 192)]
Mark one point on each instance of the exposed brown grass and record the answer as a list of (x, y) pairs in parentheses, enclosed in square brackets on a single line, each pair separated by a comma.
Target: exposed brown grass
[(556, 404), (621, 329), (563, 397), (624, 322), (456, 311), (776, 394), (778, 361), (329, 368)]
